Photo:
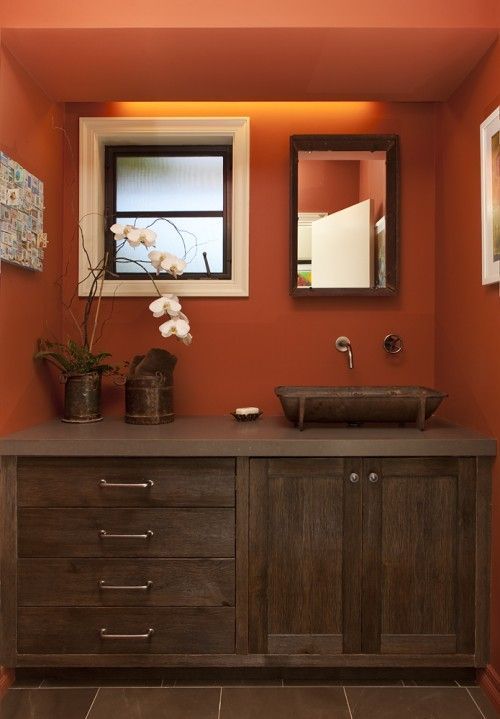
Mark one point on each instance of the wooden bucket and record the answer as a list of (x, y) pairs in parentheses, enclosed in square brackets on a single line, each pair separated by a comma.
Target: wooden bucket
[(82, 398), (148, 400)]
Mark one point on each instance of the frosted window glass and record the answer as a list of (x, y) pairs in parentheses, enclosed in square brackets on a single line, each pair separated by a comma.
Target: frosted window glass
[(169, 184), (200, 234)]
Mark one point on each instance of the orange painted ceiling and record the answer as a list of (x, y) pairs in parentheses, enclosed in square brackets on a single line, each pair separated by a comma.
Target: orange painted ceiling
[(332, 63)]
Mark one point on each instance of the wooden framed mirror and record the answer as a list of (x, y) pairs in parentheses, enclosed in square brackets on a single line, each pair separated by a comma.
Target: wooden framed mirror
[(344, 215)]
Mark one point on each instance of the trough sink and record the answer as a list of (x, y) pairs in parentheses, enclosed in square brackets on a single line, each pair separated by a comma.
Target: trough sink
[(355, 405)]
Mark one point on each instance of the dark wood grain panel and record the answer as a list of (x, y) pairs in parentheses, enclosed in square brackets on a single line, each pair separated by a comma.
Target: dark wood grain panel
[(305, 554), (303, 566), (8, 553), (305, 467), (175, 582), (50, 532), (372, 592), (483, 560), (419, 555), (242, 490), (134, 659), (177, 630), (305, 643), (258, 548), (422, 643), (466, 539), (352, 587), (419, 466), (75, 482)]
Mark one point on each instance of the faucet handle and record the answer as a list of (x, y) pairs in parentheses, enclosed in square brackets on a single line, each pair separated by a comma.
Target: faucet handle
[(342, 343), (393, 344)]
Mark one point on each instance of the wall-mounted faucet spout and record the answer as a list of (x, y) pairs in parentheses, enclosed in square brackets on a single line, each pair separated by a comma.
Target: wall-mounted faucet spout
[(343, 344)]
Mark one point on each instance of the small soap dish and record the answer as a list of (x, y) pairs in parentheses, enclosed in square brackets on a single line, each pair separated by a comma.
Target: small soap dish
[(250, 417)]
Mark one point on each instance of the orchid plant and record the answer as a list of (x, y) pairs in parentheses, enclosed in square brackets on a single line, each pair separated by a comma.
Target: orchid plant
[(166, 304), (79, 357)]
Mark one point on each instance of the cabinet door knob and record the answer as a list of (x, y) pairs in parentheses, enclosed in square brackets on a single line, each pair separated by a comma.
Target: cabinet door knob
[(373, 477), (354, 477)]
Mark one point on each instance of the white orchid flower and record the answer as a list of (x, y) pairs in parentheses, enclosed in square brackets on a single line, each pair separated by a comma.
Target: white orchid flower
[(166, 261), (175, 326), (187, 339), (141, 236), (166, 304), (156, 258), (121, 232), (172, 264)]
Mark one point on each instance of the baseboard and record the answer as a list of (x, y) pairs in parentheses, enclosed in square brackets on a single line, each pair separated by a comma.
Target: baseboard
[(6, 679), (489, 680)]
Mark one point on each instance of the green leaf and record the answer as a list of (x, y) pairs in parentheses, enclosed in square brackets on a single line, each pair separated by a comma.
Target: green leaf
[(56, 358)]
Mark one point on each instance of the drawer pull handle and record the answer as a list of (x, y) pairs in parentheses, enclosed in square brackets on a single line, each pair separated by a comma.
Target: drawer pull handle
[(139, 587), (373, 477), (105, 635), (133, 485), (105, 535)]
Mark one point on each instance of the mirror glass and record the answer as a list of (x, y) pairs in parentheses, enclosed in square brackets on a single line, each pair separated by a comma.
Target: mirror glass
[(344, 219)]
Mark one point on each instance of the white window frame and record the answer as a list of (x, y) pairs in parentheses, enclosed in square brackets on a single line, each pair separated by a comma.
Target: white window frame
[(97, 132)]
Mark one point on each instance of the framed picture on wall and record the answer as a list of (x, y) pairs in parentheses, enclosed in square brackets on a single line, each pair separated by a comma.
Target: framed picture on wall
[(490, 196)]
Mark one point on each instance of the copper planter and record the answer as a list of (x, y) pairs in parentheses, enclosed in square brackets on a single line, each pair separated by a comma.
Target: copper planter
[(148, 400), (82, 398)]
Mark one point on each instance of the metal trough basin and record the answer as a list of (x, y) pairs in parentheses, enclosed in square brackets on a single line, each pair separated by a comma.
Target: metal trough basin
[(355, 405)]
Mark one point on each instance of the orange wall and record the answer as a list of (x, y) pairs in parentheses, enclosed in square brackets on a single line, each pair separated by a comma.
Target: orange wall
[(372, 184), (29, 301), (259, 13), (327, 186), (244, 347), (468, 314)]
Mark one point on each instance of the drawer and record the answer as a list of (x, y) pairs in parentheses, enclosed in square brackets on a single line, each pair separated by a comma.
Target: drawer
[(176, 630), (51, 532), (150, 482), (140, 582)]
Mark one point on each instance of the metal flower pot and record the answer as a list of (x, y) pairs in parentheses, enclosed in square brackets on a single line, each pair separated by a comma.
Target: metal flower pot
[(148, 400), (82, 398)]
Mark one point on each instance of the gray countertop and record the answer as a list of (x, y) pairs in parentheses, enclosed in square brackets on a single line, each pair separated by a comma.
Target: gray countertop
[(223, 436)]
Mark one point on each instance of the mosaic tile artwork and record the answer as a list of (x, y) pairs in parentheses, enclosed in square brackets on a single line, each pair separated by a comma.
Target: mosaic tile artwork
[(22, 239)]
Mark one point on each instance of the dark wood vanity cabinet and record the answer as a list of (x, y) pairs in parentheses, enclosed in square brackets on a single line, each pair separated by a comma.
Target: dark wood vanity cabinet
[(244, 561), (305, 541), (382, 557), (124, 557)]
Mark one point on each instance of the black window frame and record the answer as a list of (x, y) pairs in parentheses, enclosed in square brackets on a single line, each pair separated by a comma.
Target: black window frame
[(112, 152)]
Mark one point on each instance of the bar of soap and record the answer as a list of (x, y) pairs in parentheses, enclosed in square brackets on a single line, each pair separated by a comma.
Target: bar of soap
[(246, 410)]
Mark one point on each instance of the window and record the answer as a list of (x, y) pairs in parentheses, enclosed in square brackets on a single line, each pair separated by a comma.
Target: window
[(192, 171), (184, 194)]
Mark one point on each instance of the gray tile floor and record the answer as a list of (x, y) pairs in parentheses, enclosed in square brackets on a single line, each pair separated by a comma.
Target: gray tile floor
[(135, 694)]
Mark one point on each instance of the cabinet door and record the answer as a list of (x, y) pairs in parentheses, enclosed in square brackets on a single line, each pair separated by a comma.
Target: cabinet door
[(418, 556), (305, 556)]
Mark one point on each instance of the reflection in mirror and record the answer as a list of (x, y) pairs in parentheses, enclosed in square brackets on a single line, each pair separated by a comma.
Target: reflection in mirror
[(344, 214)]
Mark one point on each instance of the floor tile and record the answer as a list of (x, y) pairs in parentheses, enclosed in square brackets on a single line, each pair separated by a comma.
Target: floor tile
[(483, 703), (411, 703), (154, 703), (46, 704), (284, 703), (361, 682), (235, 682), (103, 678), (212, 677), (430, 683)]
